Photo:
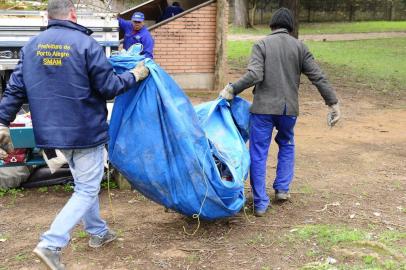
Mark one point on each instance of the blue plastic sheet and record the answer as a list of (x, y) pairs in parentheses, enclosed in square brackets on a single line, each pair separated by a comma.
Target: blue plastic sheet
[(175, 154)]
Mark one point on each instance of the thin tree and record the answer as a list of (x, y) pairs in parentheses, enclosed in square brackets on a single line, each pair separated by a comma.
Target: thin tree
[(241, 13), (253, 11)]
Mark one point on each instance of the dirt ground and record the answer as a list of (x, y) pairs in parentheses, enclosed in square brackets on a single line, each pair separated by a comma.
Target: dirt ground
[(352, 175)]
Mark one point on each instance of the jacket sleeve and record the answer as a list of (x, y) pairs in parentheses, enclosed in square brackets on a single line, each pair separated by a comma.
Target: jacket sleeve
[(312, 70), (124, 25), (102, 76), (148, 44), (255, 70), (14, 96)]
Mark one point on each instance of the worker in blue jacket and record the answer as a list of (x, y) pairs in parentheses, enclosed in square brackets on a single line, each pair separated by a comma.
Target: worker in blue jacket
[(171, 11), (66, 78), (135, 32)]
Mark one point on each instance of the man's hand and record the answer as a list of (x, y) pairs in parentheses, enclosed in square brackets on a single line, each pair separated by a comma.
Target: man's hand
[(140, 71), (334, 115), (6, 146), (228, 92)]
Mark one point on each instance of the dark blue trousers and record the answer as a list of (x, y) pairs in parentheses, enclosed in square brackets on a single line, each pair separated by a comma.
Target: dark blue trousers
[(261, 127)]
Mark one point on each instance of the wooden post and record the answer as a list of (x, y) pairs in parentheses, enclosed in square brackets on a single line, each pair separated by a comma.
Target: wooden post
[(220, 67)]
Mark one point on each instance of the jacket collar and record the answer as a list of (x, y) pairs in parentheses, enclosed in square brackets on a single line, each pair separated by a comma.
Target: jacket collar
[(280, 31), (69, 24), (139, 31)]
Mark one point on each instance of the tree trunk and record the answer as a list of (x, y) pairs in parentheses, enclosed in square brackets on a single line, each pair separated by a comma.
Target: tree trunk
[(392, 11), (220, 67), (241, 13), (262, 16), (389, 10), (254, 9), (374, 9), (351, 12), (294, 6)]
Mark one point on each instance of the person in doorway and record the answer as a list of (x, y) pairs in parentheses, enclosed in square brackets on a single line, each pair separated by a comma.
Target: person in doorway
[(135, 32), (274, 69), (171, 11), (66, 78)]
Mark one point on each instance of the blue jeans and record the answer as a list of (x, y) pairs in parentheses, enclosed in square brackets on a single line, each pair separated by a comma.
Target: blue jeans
[(261, 127), (87, 169)]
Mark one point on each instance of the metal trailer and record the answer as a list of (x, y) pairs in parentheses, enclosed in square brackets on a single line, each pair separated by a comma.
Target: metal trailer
[(17, 27)]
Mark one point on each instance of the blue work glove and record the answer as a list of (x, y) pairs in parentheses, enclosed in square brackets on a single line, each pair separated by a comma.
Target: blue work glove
[(228, 92)]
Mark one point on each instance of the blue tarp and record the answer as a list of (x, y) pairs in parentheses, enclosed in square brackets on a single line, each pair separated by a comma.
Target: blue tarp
[(175, 154)]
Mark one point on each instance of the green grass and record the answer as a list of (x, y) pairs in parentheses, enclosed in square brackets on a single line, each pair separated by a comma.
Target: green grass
[(192, 258), (112, 184), (81, 234), (373, 266), (3, 238), (21, 257), (378, 63), (306, 189), (382, 251), (257, 30), (328, 236), (330, 28), (238, 52), (392, 236), (12, 192), (68, 188), (352, 27), (256, 239), (43, 189)]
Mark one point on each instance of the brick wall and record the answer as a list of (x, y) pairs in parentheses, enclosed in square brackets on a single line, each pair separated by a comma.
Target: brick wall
[(187, 44)]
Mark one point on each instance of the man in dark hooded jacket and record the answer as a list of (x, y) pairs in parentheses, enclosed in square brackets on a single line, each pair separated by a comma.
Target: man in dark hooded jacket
[(66, 78), (274, 68), (171, 11)]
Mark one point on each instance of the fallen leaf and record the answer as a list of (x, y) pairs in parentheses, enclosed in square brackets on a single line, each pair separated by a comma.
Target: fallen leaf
[(331, 260), (133, 201)]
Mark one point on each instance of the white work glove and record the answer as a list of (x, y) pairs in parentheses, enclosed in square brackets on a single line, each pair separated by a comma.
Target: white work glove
[(228, 92), (6, 145), (140, 71), (334, 115)]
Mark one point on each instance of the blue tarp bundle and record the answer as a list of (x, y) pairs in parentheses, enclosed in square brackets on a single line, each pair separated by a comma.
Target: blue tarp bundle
[(175, 154)]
